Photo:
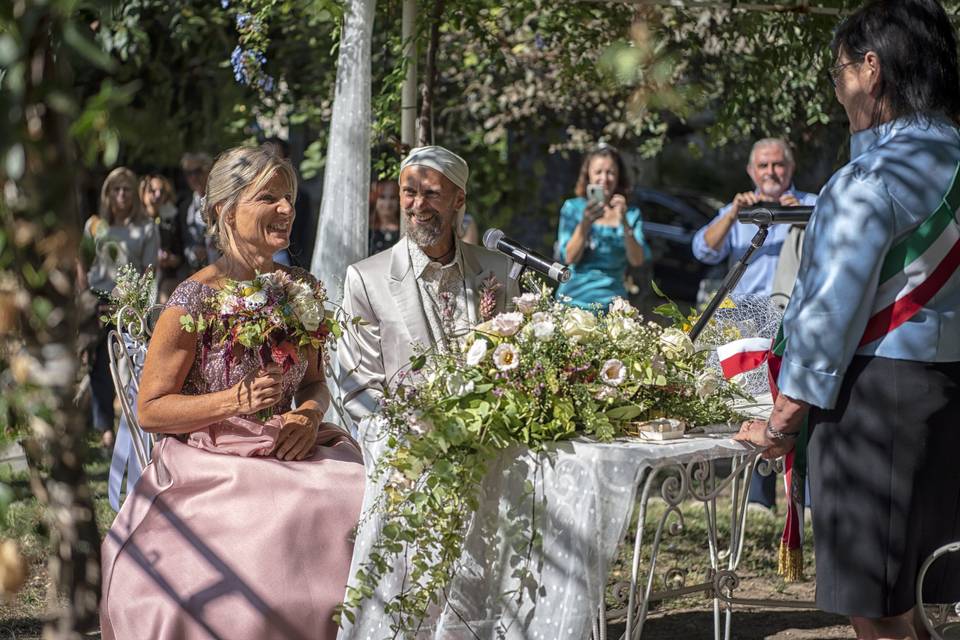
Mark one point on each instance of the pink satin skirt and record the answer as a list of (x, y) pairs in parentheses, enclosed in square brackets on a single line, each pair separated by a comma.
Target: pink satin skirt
[(218, 541)]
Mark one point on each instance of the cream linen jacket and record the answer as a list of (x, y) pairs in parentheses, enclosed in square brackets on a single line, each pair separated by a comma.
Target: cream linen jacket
[(382, 290)]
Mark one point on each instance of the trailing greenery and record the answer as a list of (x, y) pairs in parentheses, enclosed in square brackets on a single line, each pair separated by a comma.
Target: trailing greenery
[(544, 373)]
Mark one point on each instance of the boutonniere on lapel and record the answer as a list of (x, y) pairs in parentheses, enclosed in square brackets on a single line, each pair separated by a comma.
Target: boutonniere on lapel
[(488, 297)]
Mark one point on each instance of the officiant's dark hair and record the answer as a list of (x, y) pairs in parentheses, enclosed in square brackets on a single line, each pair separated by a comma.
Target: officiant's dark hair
[(917, 48)]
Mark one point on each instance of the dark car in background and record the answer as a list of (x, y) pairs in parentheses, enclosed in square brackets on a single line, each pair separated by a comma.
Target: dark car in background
[(670, 220)]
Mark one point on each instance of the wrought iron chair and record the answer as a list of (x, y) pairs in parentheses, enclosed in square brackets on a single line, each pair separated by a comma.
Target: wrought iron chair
[(127, 349), (941, 629)]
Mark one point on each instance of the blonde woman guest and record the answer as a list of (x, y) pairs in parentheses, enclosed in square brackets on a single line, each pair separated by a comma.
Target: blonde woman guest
[(120, 234), (238, 528), (157, 196)]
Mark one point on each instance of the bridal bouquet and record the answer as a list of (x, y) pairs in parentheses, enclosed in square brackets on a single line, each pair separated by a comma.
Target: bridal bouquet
[(542, 373), (273, 315)]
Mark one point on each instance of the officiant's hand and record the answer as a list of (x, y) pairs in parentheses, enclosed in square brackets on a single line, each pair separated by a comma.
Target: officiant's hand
[(297, 436), (755, 432), (259, 390)]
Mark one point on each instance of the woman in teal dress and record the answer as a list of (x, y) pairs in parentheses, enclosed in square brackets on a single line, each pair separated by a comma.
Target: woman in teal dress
[(599, 239)]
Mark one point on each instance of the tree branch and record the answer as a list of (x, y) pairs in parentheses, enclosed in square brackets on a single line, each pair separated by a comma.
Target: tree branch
[(425, 134)]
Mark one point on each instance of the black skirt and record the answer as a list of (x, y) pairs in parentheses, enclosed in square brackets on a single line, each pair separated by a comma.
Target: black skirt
[(885, 483)]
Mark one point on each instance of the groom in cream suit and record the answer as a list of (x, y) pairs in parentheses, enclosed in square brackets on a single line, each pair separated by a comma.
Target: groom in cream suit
[(424, 290)]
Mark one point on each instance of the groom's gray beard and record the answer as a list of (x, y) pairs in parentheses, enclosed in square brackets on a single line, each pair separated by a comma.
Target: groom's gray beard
[(425, 235)]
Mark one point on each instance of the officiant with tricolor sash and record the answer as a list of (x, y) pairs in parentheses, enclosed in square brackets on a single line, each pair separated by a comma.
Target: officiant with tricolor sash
[(869, 379)]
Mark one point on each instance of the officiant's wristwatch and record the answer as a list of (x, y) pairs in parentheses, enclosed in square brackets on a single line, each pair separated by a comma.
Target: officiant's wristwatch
[(780, 435)]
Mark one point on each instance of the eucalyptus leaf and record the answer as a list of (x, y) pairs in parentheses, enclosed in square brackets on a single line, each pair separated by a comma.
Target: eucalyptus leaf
[(624, 413)]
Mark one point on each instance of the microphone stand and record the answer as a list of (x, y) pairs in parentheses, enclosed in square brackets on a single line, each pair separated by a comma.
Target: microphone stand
[(733, 277), (517, 269)]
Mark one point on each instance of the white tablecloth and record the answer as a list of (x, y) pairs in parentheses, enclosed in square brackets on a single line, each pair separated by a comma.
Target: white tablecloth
[(583, 497)]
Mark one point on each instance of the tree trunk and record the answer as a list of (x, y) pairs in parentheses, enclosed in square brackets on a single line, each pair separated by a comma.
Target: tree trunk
[(42, 230), (425, 135)]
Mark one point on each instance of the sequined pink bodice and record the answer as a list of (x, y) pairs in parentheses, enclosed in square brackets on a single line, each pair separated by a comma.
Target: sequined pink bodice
[(193, 297)]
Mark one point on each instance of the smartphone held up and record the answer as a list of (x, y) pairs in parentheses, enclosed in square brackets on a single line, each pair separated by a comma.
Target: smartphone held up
[(595, 194)]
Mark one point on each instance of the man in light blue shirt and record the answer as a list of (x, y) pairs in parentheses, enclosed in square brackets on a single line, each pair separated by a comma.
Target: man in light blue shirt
[(770, 167)]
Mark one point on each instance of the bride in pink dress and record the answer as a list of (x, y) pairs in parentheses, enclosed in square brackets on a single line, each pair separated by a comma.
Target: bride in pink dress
[(237, 529)]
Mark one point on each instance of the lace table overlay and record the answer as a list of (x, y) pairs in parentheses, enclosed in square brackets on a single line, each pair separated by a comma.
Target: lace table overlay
[(578, 495)]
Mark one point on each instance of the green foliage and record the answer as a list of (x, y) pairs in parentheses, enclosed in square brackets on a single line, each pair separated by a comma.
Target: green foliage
[(175, 56), (133, 294), (523, 379)]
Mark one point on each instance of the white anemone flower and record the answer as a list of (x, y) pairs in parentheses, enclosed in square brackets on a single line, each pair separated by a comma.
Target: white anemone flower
[(255, 300), (506, 357), (613, 373)]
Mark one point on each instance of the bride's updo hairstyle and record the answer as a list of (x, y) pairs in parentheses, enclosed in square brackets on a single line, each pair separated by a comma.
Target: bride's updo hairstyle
[(235, 172)]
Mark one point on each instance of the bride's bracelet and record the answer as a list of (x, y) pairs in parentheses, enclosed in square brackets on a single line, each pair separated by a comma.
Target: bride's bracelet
[(780, 435)]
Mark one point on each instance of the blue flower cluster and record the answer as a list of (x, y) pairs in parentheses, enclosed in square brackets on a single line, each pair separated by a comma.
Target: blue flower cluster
[(246, 68)]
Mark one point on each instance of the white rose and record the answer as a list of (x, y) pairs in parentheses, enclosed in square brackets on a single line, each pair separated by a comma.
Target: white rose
[(578, 324), (613, 373), (675, 344), (707, 383), (621, 326), (458, 386), (620, 305), (255, 300), (307, 310), (310, 318), (507, 324), (543, 330), (477, 352), (506, 357), (527, 303)]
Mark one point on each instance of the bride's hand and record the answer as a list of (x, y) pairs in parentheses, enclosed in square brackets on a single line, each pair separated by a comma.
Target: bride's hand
[(259, 390), (297, 436)]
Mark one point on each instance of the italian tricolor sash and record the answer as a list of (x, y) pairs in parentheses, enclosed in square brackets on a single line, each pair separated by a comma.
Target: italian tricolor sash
[(914, 270), (745, 355), (917, 267)]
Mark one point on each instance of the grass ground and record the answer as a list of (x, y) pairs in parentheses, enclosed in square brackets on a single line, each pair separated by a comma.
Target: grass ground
[(688, 617), (21, 617)]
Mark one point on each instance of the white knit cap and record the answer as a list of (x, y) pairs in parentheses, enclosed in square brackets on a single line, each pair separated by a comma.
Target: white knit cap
[(446, 162)]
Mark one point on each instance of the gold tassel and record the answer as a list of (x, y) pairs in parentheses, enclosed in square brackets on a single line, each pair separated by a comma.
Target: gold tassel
[(791, 563)]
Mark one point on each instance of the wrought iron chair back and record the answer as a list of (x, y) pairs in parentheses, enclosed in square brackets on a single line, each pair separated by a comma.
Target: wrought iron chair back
[(127, 349), (943, 630)]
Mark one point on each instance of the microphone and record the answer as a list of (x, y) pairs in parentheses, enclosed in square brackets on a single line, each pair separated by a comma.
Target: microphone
[(762, 214), (494, 240)]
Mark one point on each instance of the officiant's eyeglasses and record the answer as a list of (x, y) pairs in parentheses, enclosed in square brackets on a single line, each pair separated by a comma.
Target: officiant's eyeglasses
[(834, 71)]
